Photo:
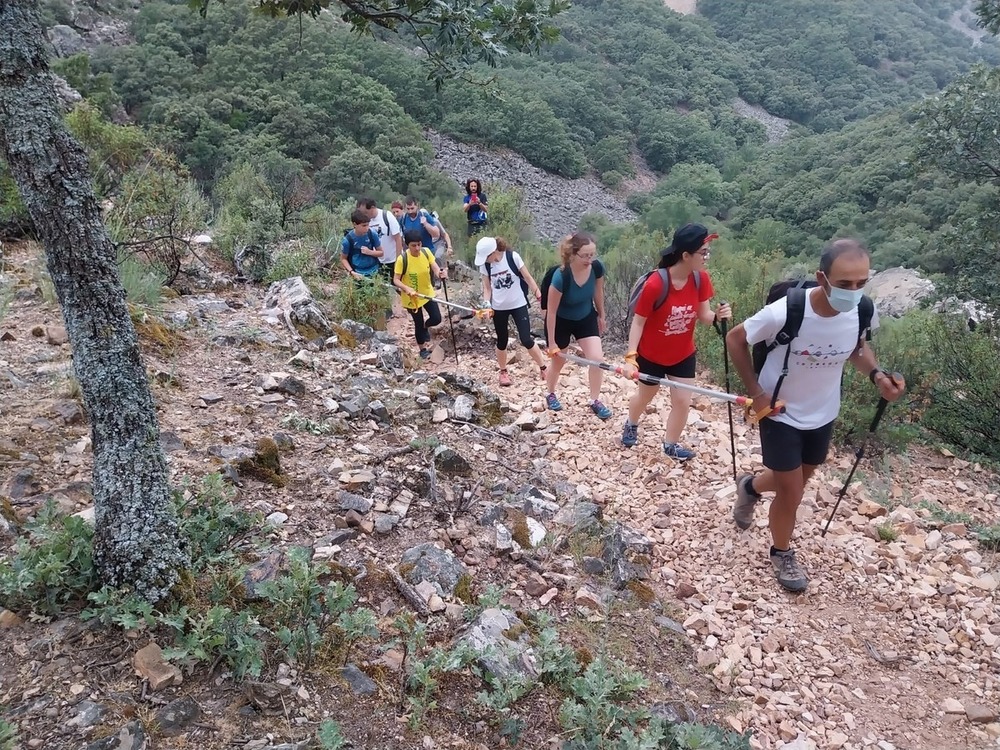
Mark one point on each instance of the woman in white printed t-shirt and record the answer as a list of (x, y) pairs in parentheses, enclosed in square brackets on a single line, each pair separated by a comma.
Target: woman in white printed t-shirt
[(505, 282)]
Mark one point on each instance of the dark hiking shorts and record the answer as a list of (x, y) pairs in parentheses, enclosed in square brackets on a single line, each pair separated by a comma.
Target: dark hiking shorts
[(786, 448), (683, 369), (575, 329)]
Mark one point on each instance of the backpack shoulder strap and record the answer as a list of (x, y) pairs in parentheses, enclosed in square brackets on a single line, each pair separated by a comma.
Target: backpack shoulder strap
[(795, 310), (664, 275), (351, 246), (513, 267)]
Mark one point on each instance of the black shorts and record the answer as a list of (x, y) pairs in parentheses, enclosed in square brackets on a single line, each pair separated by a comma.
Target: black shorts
[(576, 329), (683, 369), (786, 448)]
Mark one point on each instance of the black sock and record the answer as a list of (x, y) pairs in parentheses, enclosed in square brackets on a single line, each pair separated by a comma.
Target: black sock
[(750, 489), (775, 550)]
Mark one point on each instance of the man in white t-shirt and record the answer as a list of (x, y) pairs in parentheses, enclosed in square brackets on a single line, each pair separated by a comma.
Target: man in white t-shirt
[(795, 441), (385, 225)]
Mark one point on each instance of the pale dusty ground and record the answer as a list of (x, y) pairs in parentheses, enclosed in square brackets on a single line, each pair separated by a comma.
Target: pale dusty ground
[(799, 665)]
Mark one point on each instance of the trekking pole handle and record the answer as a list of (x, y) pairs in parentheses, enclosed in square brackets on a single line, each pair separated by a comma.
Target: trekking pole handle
[(720, 325)]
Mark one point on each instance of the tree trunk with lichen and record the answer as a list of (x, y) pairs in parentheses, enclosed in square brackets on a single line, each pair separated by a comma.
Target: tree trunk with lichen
[(136, 541)]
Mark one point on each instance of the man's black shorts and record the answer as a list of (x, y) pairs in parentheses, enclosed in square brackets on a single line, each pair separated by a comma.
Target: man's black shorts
[(577, 329), (683, 369), (786, 448)]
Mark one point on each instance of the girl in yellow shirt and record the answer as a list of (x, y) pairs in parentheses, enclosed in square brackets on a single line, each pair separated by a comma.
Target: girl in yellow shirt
[(412, 275)]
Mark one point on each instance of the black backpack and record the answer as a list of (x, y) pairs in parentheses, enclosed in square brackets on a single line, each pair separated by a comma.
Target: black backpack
[(517, 272), (795, 292), (633, 295), (546, 283)]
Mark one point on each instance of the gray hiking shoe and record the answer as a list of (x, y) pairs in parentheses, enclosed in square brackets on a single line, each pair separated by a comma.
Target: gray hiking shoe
[(789, 573), (745, 502)]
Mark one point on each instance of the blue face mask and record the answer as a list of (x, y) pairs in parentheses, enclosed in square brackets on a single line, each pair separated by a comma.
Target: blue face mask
[(843, 300)]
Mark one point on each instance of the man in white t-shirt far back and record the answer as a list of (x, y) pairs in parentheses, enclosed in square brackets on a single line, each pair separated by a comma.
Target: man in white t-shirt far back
[(795, 441), (386, 226)]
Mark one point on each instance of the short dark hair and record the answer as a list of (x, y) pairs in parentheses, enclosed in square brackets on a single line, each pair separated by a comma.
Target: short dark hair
[(412, 235), (411, 201), (360, 216), (837, 248), (368, 203)]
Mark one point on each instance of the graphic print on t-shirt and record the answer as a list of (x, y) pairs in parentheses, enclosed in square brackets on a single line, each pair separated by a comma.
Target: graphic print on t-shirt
[(814, 356), (679, 320), (504, 280)]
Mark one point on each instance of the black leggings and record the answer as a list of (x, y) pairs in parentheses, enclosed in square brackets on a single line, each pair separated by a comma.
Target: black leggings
[(420, 326), (521, 321)]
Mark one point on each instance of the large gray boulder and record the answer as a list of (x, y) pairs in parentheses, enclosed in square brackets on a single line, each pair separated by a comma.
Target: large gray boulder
[(898, 290)]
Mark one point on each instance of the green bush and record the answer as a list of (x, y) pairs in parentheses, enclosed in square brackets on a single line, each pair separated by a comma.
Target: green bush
[(962, 383), (52, 568), (143, 282), (291, 261), (742, 279), (363, 300), (14, 219), (8, 736)]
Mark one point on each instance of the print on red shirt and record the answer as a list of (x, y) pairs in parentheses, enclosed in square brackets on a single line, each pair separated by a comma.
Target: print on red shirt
[(668, 336)]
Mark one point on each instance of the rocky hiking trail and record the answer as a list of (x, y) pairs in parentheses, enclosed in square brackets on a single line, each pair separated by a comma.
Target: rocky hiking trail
[(894, 644)]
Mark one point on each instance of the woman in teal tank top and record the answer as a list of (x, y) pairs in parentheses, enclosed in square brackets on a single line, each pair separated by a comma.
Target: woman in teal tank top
[(575, 310)]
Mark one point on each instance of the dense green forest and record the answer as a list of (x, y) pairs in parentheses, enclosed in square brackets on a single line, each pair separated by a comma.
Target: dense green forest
[(836, 62), (320, 114)]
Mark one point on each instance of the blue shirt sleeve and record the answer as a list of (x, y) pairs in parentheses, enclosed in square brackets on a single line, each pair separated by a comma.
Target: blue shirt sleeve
[(598, 269), (557, 281), (482, 198), (345, 247)]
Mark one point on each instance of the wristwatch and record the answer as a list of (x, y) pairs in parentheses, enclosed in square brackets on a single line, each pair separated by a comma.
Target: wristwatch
[(875, 371)]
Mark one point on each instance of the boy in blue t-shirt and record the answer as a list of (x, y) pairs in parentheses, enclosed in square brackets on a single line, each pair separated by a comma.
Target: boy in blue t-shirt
[(361, 248)]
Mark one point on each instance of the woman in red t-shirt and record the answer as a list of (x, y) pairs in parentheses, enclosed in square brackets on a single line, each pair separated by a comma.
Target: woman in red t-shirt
[(661, 339)]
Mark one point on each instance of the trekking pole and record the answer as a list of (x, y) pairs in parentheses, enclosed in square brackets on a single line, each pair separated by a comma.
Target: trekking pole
[(745, 401), (479, 313), (721, 326), (619, 370), (858, 455), (451, 323)]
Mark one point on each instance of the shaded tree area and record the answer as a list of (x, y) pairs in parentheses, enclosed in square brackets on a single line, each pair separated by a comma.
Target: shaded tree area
[(622, 78), (833, 63), (135, 542)]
